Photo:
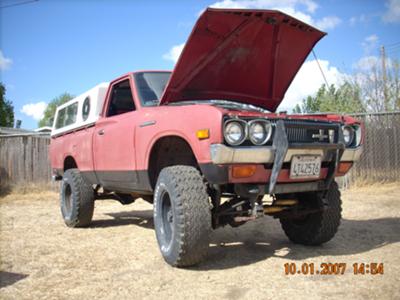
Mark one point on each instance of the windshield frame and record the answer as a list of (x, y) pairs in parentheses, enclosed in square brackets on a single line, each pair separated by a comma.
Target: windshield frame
[(142, 101)]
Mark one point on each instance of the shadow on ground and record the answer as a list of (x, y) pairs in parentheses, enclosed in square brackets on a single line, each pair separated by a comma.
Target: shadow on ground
[(264, 238), (143, 218), (9, 278)]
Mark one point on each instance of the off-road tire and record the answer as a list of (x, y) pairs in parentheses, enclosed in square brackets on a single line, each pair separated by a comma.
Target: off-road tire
[(319, 227), (182, 216), (76, 199)]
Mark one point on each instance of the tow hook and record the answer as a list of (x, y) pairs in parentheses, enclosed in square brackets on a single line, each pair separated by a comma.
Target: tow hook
[(256, 212), (255, 204)]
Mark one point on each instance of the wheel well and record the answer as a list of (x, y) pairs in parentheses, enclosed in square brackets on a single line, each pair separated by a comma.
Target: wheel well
[(169, 151), (69, 163)]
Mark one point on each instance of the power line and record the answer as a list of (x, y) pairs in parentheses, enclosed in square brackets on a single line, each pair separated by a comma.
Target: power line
[(393, 50), (388, 47), (393, 54), (19, 3), (393, 45), (320, 68)]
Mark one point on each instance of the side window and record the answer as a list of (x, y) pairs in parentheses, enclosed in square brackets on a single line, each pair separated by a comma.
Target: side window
[(60, 118), (67, 115), (121, 99), (72, 111)]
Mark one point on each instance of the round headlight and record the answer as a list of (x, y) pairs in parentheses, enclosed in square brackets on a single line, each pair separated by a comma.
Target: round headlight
[(348, 135), (259, 132), (235, 133)]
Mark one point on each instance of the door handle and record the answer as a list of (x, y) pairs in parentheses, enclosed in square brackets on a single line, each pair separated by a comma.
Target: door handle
[(100, 132)]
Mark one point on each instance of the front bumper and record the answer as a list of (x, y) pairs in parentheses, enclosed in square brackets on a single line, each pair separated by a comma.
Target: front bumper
[(282, 152), (222, 154)]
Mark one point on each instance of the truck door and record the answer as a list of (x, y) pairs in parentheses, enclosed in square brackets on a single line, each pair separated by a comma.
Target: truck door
[(113, 140)]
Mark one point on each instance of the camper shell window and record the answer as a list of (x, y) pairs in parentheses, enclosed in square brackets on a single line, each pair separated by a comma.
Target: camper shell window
[(67, 115)]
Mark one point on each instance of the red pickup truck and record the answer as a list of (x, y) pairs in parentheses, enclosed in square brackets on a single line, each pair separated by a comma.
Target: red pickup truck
[(203, 143)]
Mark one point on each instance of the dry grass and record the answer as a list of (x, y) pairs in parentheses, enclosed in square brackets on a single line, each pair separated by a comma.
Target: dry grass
[(369, 183), (28, 188), (118, 256)]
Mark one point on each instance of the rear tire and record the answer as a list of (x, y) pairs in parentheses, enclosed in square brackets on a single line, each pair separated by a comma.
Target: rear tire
[(182, 216), (319, 227), (76, 199)]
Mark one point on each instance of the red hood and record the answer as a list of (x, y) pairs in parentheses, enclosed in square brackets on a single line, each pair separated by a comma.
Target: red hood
[(249, 56)]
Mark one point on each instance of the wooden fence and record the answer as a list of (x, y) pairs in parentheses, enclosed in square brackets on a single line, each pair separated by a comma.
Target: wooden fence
[(24, 159), (380, 161)]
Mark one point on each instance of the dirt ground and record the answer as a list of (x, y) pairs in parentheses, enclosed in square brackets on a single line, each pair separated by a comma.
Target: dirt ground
[(118, 258)]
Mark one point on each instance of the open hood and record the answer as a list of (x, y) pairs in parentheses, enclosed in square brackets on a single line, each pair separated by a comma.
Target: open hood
[(248, 56)]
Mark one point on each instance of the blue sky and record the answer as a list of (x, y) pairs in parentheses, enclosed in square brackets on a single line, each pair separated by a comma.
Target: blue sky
[(50, 47)]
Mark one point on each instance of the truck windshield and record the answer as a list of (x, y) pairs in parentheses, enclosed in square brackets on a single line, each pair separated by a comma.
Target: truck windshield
[(150, 86)]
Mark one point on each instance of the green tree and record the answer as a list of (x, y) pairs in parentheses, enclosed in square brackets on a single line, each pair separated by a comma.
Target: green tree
[(380, 86), (297, 109), (6, 109), (344, 99), (50, 111)]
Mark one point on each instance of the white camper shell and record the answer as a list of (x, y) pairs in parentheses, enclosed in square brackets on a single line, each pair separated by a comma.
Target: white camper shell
[(81, 111)]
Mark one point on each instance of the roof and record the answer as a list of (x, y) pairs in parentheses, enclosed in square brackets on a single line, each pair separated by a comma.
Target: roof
[(44, 129)]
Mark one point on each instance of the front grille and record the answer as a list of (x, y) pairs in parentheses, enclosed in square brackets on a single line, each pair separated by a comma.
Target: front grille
[(298, 135), (308, 131), (303, 131)]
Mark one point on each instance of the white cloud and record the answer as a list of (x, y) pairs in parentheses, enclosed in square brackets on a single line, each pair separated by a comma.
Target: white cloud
[(308, 80), (300, 9), (174, 53), (309, 5), (366, 63), (370, 43), (370, 63), (358, 19), (5, 62), (328, 22), (34, 110), (392, 14)]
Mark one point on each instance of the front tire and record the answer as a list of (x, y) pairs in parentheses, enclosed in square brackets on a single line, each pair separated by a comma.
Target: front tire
[(318, 227), (182, 216), (76, 199)]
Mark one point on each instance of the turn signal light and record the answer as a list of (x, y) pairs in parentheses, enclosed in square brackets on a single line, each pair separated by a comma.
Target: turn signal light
[(203, 134), (243, 171), (343, 168)]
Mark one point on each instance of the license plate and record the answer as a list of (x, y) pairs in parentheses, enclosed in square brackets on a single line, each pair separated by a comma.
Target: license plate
[(305, 166)]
